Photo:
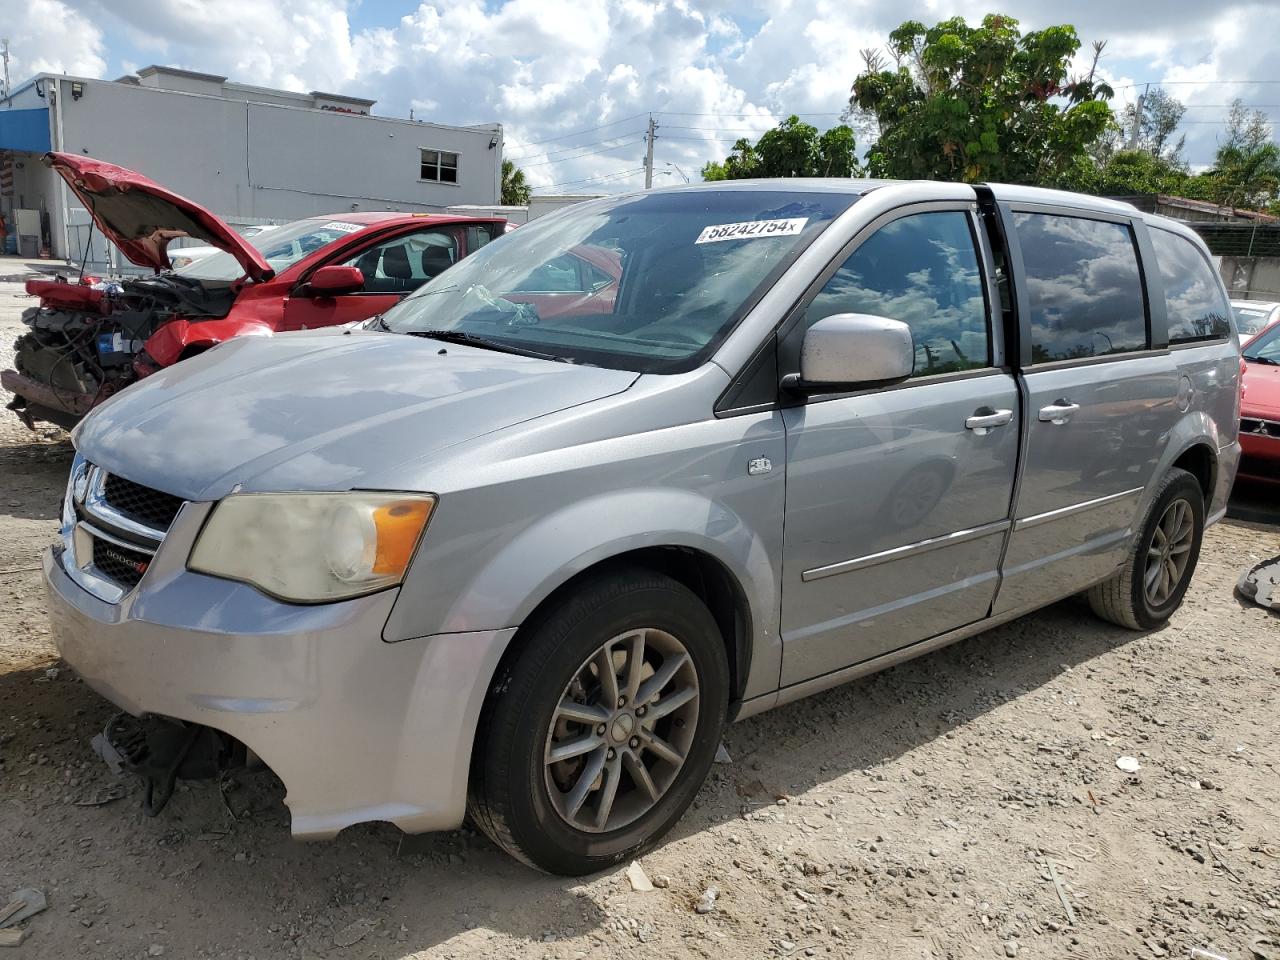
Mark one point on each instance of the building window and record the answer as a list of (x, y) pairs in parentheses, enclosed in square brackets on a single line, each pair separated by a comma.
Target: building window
[(439, 166)]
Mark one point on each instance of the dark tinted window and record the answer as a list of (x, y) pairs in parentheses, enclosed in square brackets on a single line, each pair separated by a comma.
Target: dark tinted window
[(922, 270), (1192, 296), (1084, 285)]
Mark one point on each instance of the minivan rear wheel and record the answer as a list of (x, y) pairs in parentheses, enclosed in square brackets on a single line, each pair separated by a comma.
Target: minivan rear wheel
[(1155, 576), (598, 733)]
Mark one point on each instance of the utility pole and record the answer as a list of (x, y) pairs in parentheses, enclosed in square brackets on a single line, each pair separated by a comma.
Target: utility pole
[(648, 154), (1135, 131), (4, 51)]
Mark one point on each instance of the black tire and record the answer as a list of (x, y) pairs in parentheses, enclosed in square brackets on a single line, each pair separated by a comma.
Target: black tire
[(508, 796), (1123, 599)]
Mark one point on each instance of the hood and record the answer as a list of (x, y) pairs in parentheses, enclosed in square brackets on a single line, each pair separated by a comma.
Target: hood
[(1261, 391), (321, 411), (141, 217)]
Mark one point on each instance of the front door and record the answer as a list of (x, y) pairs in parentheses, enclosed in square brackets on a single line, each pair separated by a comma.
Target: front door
[(1100, 403), (392, 270), (898, 500)]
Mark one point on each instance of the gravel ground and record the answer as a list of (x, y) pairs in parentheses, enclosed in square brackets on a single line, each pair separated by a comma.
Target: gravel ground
[(923, 812)]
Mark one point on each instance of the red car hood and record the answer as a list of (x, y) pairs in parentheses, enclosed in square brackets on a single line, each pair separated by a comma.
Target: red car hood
[(141, 217), (1261, 391)]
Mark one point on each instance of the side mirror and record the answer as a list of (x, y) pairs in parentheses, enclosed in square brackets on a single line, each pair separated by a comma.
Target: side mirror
[(852, 351), (331, 280)]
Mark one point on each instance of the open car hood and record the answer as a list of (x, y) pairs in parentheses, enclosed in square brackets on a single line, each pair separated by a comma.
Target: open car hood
[(141, 217)]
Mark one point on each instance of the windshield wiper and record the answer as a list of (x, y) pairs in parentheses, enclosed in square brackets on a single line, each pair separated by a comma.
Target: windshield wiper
[(1266, 360), (484, 343)]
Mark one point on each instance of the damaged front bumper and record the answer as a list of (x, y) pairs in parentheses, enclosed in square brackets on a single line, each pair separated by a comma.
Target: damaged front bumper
[(34, 401), (358, 729)]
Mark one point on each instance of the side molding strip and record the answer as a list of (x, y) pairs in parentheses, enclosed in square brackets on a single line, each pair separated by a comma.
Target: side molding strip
[(1036, 519), (910, 550)]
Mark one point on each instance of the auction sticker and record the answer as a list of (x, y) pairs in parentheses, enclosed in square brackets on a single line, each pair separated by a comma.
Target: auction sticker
[(752, 230), (343, 226)]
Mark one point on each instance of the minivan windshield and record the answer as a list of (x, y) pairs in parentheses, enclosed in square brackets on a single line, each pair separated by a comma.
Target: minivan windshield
[(650, 283), (282, 247)]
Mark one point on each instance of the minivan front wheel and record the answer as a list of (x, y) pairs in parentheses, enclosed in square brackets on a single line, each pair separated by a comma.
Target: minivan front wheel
[(1151, 584), (598, 733)]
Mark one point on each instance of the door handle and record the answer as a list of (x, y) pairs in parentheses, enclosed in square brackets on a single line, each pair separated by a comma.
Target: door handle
[(1059, 411), (984, 419)]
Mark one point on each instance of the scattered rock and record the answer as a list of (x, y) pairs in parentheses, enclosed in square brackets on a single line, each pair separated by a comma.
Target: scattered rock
[(638, 879), (707, 902), (1128, 764)]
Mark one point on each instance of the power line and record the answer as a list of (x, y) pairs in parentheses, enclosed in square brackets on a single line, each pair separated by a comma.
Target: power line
[(602, 178), (578, 133), (635, 138)]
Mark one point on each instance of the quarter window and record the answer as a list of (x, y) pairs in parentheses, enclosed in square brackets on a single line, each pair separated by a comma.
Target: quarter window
[(1084, 285), (439, 166), (922, 270), (1192, 296)]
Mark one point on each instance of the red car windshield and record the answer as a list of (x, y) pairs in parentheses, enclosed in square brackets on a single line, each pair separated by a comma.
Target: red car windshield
[(1265, 349), (283, 247)]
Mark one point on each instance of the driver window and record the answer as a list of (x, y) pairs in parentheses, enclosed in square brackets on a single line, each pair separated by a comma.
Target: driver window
[(922, 270), (404, 263)]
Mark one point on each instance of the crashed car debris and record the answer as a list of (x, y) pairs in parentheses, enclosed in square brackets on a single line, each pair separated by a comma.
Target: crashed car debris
[(90, 339)]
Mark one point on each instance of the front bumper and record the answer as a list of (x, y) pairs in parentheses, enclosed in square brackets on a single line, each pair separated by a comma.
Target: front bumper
[(1260, 446), (358, 729)]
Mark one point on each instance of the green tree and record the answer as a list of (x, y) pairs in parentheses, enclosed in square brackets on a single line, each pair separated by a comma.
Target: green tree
[(515, 189), (791, 149), (1246, 171), (1158, 122), (980, 103)]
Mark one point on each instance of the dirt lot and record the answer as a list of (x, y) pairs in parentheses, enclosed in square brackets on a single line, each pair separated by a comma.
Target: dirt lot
[(917, 813)]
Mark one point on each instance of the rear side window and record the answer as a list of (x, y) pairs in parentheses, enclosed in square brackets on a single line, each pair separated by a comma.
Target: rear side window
[(1084, 285), (1192, 296), (922, 270)]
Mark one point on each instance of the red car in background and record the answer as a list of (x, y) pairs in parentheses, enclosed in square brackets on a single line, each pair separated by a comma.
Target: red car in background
[(1260, 406), (87, 342)]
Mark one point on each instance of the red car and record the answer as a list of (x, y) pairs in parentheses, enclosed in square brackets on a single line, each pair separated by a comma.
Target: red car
[(86, 342), (1260, 406)]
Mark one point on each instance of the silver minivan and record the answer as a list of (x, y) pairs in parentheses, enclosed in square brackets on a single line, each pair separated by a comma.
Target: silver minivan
[(521, 547)]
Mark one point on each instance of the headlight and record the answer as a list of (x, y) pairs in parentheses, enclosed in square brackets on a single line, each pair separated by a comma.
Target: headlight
[(313, 547)]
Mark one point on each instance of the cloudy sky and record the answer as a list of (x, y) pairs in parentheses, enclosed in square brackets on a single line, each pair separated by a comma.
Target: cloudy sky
[(574, 81)]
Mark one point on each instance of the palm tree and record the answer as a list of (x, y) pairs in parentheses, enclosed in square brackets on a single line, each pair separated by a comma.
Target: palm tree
[(515, 189)]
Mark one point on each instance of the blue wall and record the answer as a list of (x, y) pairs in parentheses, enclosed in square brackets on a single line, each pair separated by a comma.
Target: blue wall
[(26, 130)]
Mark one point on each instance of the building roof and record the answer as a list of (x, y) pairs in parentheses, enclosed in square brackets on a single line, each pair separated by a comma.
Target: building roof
[(179, 72)]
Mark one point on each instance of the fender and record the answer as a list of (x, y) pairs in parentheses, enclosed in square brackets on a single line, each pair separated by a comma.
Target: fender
[(1196, 427), (560, 545), (167, 344)]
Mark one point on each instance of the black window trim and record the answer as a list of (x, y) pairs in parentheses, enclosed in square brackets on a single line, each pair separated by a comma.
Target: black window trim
[(1157, 342)]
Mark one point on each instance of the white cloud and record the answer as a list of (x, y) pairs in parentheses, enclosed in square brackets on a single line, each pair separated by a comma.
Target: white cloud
[(47, 36), (710, 70)]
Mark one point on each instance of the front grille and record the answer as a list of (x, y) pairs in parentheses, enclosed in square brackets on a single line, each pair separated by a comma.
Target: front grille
[(1260, 428), (142, 504), (120, 564)]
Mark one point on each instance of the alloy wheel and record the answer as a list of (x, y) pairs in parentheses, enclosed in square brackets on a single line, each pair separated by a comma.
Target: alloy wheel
[(1168, 552), (621, 730)]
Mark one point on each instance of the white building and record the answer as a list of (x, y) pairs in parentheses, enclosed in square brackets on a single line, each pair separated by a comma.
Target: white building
[(248, 154)]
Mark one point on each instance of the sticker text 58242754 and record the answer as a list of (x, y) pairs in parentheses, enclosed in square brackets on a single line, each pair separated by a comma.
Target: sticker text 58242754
[(752, 230)]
